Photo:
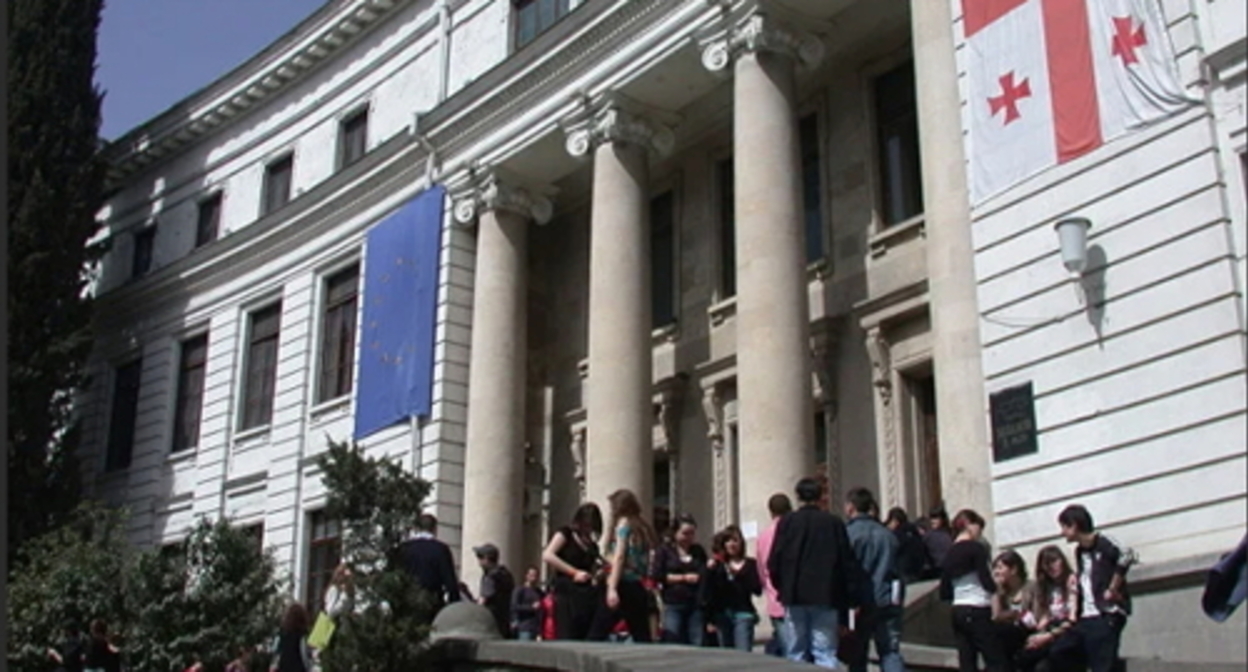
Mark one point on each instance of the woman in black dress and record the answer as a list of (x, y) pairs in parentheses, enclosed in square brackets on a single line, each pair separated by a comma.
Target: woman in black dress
[(574, 556), (293, 654), (101, 656)]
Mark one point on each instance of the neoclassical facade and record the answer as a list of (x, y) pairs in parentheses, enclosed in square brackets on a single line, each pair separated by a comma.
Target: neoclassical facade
[(698, 249)]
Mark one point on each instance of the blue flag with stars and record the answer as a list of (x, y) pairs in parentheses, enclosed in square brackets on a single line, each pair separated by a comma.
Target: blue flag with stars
[(400, 314)]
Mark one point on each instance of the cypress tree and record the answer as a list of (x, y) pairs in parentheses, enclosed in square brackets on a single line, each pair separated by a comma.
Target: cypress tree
[(56, 182)]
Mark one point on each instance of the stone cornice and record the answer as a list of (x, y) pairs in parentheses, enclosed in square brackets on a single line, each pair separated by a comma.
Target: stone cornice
[(326, 33)]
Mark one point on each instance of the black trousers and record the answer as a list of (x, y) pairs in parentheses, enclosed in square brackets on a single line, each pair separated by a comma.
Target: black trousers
[(634, 609), (1093, 641), (576, 604), (976, 635)]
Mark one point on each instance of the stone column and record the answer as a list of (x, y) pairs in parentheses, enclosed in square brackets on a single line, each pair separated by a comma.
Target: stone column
[(773, 316), (494, 457), (962, 425), (620, 415)]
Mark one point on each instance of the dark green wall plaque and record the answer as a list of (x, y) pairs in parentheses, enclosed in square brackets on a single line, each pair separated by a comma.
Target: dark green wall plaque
[(1013, 423)]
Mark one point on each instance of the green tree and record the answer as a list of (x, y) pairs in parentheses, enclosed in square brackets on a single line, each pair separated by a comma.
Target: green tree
[(70, 575), (378, 502), (56, 181), (215, 594)]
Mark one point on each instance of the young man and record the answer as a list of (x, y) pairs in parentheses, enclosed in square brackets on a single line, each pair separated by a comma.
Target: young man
[(816, 576), (430, 562), (526, 607), (497, 585), (1103, 604), (779, 505), (881, 615)]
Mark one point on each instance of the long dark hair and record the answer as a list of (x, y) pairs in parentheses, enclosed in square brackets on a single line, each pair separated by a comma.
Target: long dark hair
[(1044, 583), (295, 620), (1015, 562), (626, 507), (588, 518), (730, 533)]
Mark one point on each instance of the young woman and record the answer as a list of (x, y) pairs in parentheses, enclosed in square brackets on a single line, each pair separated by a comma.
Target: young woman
[(679, 569), (732, 585), (1051, 612), (630, 548), (1010, 602), (292, 653), (966, 580), (573, 554), (339, 598), (101, 656)]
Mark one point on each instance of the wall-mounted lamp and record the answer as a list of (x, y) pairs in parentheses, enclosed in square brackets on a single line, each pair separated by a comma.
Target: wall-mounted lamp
[(1072, 235)]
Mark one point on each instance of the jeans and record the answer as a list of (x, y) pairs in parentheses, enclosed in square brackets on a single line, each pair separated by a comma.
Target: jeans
[(632, 609), (775, 645), (1094, 641), (526, 636), (683, 624), (883, 626), (811, 630), (976, 635), (736, 630)]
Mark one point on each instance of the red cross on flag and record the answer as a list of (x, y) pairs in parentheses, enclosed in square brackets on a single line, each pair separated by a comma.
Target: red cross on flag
[(1051, 80)]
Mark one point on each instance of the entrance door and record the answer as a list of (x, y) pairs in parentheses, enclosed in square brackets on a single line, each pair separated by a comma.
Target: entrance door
[(922, 447)]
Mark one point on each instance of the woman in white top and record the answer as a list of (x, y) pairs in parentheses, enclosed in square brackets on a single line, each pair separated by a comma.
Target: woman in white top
[(340, 593), (1051, 613), (966, 580), (1011, 601)]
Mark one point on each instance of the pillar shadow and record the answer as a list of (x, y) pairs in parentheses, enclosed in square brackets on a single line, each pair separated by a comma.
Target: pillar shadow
[(1093, 284)]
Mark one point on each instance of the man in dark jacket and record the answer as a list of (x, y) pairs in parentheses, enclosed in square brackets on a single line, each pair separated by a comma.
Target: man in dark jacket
[(816, 575), (497, 584), (1103, 604), (430, 562), (880, 618)]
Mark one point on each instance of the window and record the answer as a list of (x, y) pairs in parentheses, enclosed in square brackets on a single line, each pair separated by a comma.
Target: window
[(209, 223), (663, 266), (277, 184), (256, 533), (190, 401), (812, 187), (821, 438), (353, 138), (144, 242), (124, 415), (727, 230), (533, 17), (324, 551), (897, 138), (261, 373), (662, 493), (338, 337)]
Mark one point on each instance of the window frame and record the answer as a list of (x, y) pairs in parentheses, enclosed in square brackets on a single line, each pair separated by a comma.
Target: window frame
[(345, 156), (268, 205), (143, 252), (669, 186), (880, 185), (216, 200), (180, 391), (726, 254), (117, 457), (246, 422), (316, 579), (327, 305), (517, 15)]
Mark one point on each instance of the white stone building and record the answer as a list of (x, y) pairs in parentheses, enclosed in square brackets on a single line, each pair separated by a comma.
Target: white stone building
[(694, 248)]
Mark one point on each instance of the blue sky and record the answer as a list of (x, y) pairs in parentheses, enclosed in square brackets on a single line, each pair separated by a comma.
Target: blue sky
[(153, 53)]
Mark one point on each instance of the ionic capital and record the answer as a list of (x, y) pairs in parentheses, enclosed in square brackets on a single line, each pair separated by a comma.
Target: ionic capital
[(491, 189), (614, 118), (756, 33)]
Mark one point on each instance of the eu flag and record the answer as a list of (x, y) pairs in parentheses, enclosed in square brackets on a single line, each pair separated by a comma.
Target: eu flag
[(400, 314)]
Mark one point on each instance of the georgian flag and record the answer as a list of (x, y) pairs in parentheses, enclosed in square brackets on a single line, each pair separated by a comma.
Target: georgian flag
[(1051, 80)]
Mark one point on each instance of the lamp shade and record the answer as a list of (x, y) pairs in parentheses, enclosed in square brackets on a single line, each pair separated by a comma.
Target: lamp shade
[(1072, 235)]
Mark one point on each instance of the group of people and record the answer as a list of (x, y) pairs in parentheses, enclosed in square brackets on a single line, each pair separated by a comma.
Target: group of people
[(832, 586)]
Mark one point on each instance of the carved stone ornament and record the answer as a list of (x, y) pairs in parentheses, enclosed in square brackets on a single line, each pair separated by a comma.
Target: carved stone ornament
[(615, 120), (881, 374), (713, 408), (489, 190), (667, 412), (758, 32), (577, 447)]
